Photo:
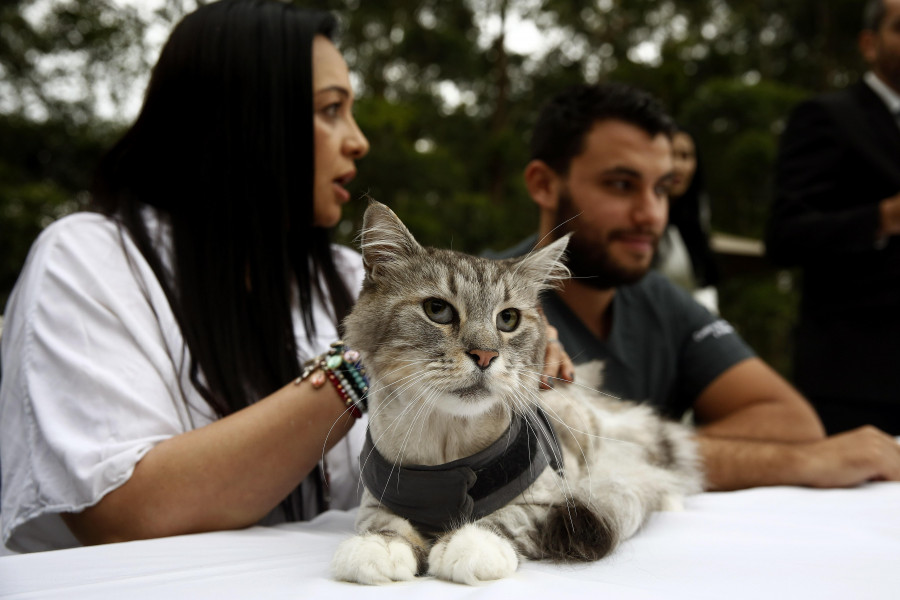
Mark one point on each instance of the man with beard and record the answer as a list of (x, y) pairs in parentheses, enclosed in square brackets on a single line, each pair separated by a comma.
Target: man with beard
[(837, 216), (600, 169)]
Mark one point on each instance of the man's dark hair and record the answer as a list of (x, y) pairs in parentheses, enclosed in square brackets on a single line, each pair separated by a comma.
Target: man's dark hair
[(873, 15), (565, 121)]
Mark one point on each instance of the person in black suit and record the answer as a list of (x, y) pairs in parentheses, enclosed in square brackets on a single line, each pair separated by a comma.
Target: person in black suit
[(837, 215)]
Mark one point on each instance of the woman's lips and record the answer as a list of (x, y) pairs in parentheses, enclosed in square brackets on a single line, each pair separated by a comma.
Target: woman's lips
[(341, 192)]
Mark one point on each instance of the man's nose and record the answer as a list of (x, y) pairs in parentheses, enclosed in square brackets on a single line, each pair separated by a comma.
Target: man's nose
[(652, 208)]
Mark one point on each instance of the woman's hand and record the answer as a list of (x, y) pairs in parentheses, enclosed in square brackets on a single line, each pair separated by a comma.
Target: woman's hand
[(557, 364)]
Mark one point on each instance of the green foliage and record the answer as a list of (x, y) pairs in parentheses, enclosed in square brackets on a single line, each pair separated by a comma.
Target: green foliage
[(45, 170), (736, 126), (763, 308)]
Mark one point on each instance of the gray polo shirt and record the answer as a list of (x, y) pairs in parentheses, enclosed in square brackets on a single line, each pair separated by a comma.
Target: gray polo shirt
[(663, 347)]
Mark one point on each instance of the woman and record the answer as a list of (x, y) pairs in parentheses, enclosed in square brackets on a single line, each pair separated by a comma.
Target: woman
[(684, 252), (152, 348), (149, 349)]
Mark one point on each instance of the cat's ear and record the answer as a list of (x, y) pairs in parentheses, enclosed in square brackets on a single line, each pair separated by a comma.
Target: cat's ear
[(546, 265), (384, 238)]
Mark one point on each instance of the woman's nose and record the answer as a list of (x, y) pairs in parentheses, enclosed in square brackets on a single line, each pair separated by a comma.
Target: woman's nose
[(356, 144)]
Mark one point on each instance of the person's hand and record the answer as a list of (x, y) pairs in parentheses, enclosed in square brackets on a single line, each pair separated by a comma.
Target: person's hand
[(557, 364), (890, 216), (853, 457)]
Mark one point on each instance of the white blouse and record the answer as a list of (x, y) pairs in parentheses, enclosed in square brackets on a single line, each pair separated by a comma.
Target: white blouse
[(95, 373)]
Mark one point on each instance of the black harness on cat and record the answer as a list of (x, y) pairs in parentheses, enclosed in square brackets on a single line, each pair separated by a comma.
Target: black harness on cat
[(438, 498)]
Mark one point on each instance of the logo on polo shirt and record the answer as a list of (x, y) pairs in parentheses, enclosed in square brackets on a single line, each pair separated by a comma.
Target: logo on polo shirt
[(715, 329)]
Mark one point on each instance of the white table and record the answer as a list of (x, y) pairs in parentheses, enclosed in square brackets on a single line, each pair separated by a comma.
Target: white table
[(767, 543)]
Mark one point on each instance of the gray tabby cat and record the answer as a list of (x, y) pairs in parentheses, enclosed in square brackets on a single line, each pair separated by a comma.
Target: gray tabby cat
[(469, 467)]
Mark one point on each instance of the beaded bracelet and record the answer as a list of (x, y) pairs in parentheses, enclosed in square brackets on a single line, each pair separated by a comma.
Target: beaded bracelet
[(342, 368)]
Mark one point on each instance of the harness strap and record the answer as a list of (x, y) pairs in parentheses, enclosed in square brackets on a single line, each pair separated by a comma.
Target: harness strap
[(441, 497)]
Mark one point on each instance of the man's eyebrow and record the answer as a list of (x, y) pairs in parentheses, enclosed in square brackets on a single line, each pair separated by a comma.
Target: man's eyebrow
[(630, 172), (667, 177), (334, 88), (623, 171)]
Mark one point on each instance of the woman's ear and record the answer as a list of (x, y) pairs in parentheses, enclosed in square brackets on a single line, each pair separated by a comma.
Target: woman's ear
[(543, 185)]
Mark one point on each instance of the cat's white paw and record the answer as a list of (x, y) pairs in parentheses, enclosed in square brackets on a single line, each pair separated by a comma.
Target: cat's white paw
[(672, 503), (373, 558), (472, 555)]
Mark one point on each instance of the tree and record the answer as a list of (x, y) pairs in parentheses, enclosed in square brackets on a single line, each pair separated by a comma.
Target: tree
[(445, 99), (67, 71)]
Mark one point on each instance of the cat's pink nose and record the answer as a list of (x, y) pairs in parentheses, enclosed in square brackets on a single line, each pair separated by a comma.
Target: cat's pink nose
[(483, 358)]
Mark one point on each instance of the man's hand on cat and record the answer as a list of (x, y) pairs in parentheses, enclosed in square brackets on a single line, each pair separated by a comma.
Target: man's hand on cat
[(853, 457), (557, 364)]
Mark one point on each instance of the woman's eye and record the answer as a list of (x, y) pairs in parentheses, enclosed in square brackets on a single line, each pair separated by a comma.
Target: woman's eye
[(331, 111), (438, 311), (508, 319)]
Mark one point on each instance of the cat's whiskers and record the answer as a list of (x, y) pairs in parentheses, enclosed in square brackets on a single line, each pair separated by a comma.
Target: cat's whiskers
[(424, 409), (396, 422), (405, 382), (532, 391), (590, 389), (526, 407), (409, 363), (347, 411), (425, 404), (380, 405), (573, 429)]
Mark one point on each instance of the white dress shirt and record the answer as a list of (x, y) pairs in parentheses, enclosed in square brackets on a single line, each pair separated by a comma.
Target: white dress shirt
[(91, 357)]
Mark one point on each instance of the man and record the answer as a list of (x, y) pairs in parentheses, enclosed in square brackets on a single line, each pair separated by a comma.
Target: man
[(601, 164), (837, 215)]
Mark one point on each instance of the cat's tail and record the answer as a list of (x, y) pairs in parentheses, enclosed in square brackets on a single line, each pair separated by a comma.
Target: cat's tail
[(575, 532)]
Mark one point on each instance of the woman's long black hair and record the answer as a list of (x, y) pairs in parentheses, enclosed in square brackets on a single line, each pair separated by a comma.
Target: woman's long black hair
[(223, 148), (685, 213)]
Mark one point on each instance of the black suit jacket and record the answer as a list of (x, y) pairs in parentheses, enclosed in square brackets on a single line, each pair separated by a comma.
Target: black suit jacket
[(839, 157)]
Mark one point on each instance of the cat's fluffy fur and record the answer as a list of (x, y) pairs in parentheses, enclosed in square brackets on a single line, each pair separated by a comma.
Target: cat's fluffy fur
[(430, 403)]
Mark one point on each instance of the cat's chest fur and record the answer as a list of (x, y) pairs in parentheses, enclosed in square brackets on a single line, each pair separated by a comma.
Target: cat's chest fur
[(431, 439)]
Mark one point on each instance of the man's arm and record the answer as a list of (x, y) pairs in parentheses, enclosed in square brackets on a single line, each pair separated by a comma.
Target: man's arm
[(755, 429)]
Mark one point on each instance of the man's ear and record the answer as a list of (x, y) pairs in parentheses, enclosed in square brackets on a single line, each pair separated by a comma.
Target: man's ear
[(868, 45), (543, 185)]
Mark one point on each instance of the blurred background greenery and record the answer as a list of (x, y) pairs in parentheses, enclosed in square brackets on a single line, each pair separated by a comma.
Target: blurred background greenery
[(447, 92)]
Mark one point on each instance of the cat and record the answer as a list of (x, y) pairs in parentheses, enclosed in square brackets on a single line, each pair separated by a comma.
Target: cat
[(454, 345)]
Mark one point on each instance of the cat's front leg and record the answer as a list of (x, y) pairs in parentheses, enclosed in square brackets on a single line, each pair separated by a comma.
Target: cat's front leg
[(472, 554), (387, 549)]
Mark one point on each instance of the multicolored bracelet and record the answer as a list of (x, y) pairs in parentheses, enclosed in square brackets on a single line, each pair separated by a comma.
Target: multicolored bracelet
[(342, 368)]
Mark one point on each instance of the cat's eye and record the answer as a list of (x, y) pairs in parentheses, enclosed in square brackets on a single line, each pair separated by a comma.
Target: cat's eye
[(508, 319), (438, 310)]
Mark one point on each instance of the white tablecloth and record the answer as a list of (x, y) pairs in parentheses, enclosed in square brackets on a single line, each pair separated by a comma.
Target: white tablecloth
[(766, 543)]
